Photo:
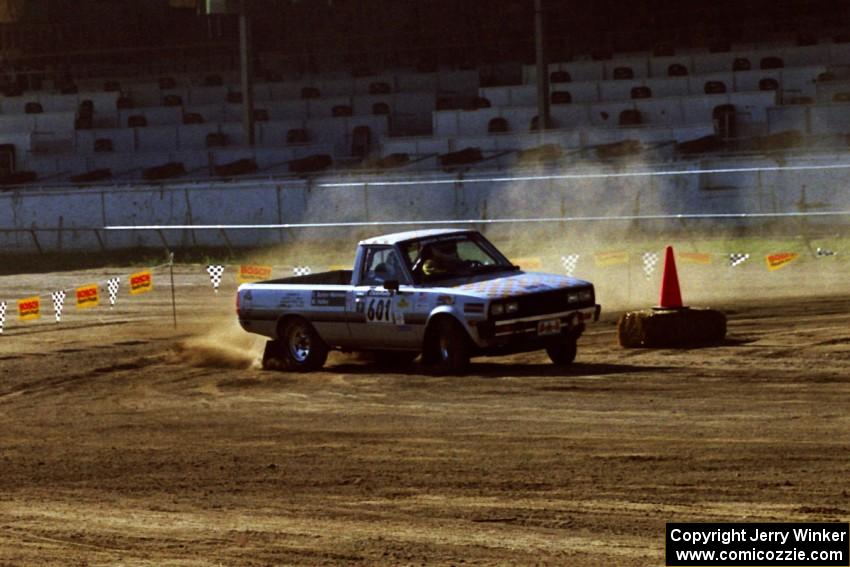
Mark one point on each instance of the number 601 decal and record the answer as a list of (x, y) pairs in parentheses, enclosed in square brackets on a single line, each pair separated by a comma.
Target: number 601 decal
[(380, 310)]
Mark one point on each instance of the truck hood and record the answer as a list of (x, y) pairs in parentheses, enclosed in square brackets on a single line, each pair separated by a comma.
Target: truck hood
[(521, 283)]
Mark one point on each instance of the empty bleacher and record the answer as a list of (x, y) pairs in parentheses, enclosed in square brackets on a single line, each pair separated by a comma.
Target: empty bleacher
[(127, 117)]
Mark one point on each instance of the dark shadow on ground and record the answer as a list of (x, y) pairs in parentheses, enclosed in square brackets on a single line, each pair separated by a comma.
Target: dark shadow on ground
[(502, 370)]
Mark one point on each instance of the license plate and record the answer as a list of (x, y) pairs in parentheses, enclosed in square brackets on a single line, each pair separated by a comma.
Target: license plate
[(549, 327)]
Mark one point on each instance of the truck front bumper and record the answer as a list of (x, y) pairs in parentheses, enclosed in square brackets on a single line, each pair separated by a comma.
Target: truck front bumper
[(530, 333)]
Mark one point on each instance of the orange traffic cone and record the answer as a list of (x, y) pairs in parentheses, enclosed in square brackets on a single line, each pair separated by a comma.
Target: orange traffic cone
[(671, 324), (671, 296)]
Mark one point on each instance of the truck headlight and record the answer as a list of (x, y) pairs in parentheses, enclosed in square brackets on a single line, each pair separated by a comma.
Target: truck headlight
[(511, 307), (497, 309), (572, 297), (585, 295)]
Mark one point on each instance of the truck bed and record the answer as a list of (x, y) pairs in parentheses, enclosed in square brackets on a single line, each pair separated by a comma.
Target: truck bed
[(335, 277)]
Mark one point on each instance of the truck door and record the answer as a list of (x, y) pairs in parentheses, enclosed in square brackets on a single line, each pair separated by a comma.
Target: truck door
[(377, 317)]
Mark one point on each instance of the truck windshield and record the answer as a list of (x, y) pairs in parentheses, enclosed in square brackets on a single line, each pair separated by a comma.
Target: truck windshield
[(452, 256)]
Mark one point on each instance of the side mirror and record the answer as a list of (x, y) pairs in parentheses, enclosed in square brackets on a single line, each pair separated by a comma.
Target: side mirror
[(391, 286)]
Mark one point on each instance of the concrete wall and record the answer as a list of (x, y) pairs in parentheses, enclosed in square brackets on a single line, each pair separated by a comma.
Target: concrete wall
[(77, 211)]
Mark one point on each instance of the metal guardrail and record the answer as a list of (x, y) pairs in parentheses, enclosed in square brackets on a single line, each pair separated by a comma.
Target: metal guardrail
[(99, 232), (431, 177), (159, 229)]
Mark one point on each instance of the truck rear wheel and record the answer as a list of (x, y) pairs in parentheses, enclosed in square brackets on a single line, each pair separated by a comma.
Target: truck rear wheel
[(274, 356), (447, 348), (303, 349)]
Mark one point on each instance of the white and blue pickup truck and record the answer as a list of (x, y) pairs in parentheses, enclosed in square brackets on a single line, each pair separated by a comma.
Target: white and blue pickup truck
[(446, 294)]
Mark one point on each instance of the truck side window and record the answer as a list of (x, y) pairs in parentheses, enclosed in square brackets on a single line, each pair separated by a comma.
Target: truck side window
[(381, 264)]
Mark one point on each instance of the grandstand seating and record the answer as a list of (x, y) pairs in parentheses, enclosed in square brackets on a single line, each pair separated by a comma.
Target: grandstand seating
[(132, 123), (668, 111)]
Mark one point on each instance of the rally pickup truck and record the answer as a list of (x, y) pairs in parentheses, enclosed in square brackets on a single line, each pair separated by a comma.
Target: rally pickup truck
[(446, 294)]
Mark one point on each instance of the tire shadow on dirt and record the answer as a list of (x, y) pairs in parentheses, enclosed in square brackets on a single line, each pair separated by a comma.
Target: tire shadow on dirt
[(494, 370)]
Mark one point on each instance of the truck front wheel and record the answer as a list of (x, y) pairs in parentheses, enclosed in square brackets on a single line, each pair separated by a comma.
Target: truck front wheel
[(447, 348), (301, 347), (563, 351)]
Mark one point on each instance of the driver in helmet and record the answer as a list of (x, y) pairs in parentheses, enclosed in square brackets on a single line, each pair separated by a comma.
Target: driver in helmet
[(440, 258)]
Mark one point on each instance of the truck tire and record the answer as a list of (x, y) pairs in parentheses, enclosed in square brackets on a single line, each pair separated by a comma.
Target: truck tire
[(274, 356), (303, 348), (447, 348), (563, 351)]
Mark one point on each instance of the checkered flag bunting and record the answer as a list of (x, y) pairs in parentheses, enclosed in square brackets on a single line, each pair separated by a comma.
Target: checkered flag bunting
[(58, 302), (736, 259), (302, 270), (215, 273), (650, 261), (2, 316), (112, 285), (824, 252), (570, 261)]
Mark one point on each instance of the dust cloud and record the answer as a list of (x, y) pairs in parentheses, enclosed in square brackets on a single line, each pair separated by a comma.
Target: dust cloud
[(224, 345), (601, 209)]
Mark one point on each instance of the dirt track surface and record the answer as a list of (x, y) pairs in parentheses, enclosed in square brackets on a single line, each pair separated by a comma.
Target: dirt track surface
[(125, 442)]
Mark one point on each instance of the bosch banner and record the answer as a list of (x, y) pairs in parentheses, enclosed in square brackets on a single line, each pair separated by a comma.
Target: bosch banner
[(776, 261), (29, 309), (249, 273), (694, 257), (603, 259), (141, 282), (87, 296)]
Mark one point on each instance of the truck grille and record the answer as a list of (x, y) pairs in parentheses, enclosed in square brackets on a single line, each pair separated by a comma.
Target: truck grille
[(540, 303), (546, 302)]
